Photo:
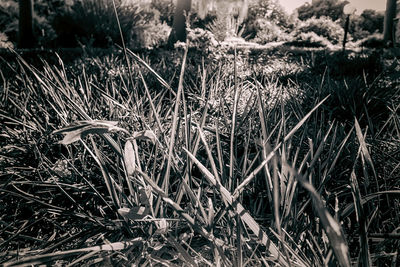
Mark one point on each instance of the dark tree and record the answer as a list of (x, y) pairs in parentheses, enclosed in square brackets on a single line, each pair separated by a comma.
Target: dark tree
[(25, 26), (178, 32), (372, 21), (388, 22), (319, 8)]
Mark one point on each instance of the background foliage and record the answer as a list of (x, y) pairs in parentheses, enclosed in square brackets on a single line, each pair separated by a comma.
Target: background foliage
[(65, 23)]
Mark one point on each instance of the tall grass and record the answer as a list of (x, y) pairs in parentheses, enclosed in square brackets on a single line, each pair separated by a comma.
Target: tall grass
[(229, 169)]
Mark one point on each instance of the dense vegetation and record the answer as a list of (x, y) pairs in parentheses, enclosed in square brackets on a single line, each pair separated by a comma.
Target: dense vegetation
[(147, 24), (202, 154)]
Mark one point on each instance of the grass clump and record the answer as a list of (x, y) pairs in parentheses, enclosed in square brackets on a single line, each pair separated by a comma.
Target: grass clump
[(190, 164)]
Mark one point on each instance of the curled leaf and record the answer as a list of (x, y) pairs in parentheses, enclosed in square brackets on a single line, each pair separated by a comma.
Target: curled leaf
[(81, 129)]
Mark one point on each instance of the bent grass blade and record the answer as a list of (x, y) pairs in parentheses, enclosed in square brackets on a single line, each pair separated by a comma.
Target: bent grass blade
[(240, 210)]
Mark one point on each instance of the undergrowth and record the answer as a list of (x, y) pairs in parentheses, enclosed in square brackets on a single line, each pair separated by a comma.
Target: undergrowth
[(181, 162)]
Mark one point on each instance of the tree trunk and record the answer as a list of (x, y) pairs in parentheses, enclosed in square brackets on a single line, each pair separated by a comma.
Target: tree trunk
[(178, 32), (25, 34), (388, 22)]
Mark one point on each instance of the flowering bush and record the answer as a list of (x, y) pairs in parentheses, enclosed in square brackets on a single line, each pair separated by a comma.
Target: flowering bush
[(324, 27)]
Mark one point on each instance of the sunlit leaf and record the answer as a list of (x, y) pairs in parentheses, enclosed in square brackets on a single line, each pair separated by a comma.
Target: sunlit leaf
[(210, 212), (162, 226), (135, 213), (81, 129), (129, 158)]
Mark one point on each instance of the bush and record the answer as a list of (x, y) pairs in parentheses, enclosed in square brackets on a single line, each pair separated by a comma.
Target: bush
[(150, 36), (353, 65), (269, 32), (324, 27), (309, 39), (266, 10), (372, 41), (166, 9), (201, 39), (218, 27), (93, 22)]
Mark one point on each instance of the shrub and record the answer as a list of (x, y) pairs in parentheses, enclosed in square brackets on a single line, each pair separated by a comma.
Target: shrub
[(372, 41), (269, 32), (324, 27), (356, 88), (343, 64), (93, 22), (219, 28), (166, 10), (362, 26), (201, 39), (372, 20), (266, 10), (309, 39), (150, 36)]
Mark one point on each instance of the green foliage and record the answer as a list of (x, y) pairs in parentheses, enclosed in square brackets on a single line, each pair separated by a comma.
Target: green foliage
[(319, 8), (322, 26), (270, 10), (201, 39), (219, 28), (341, 64)]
